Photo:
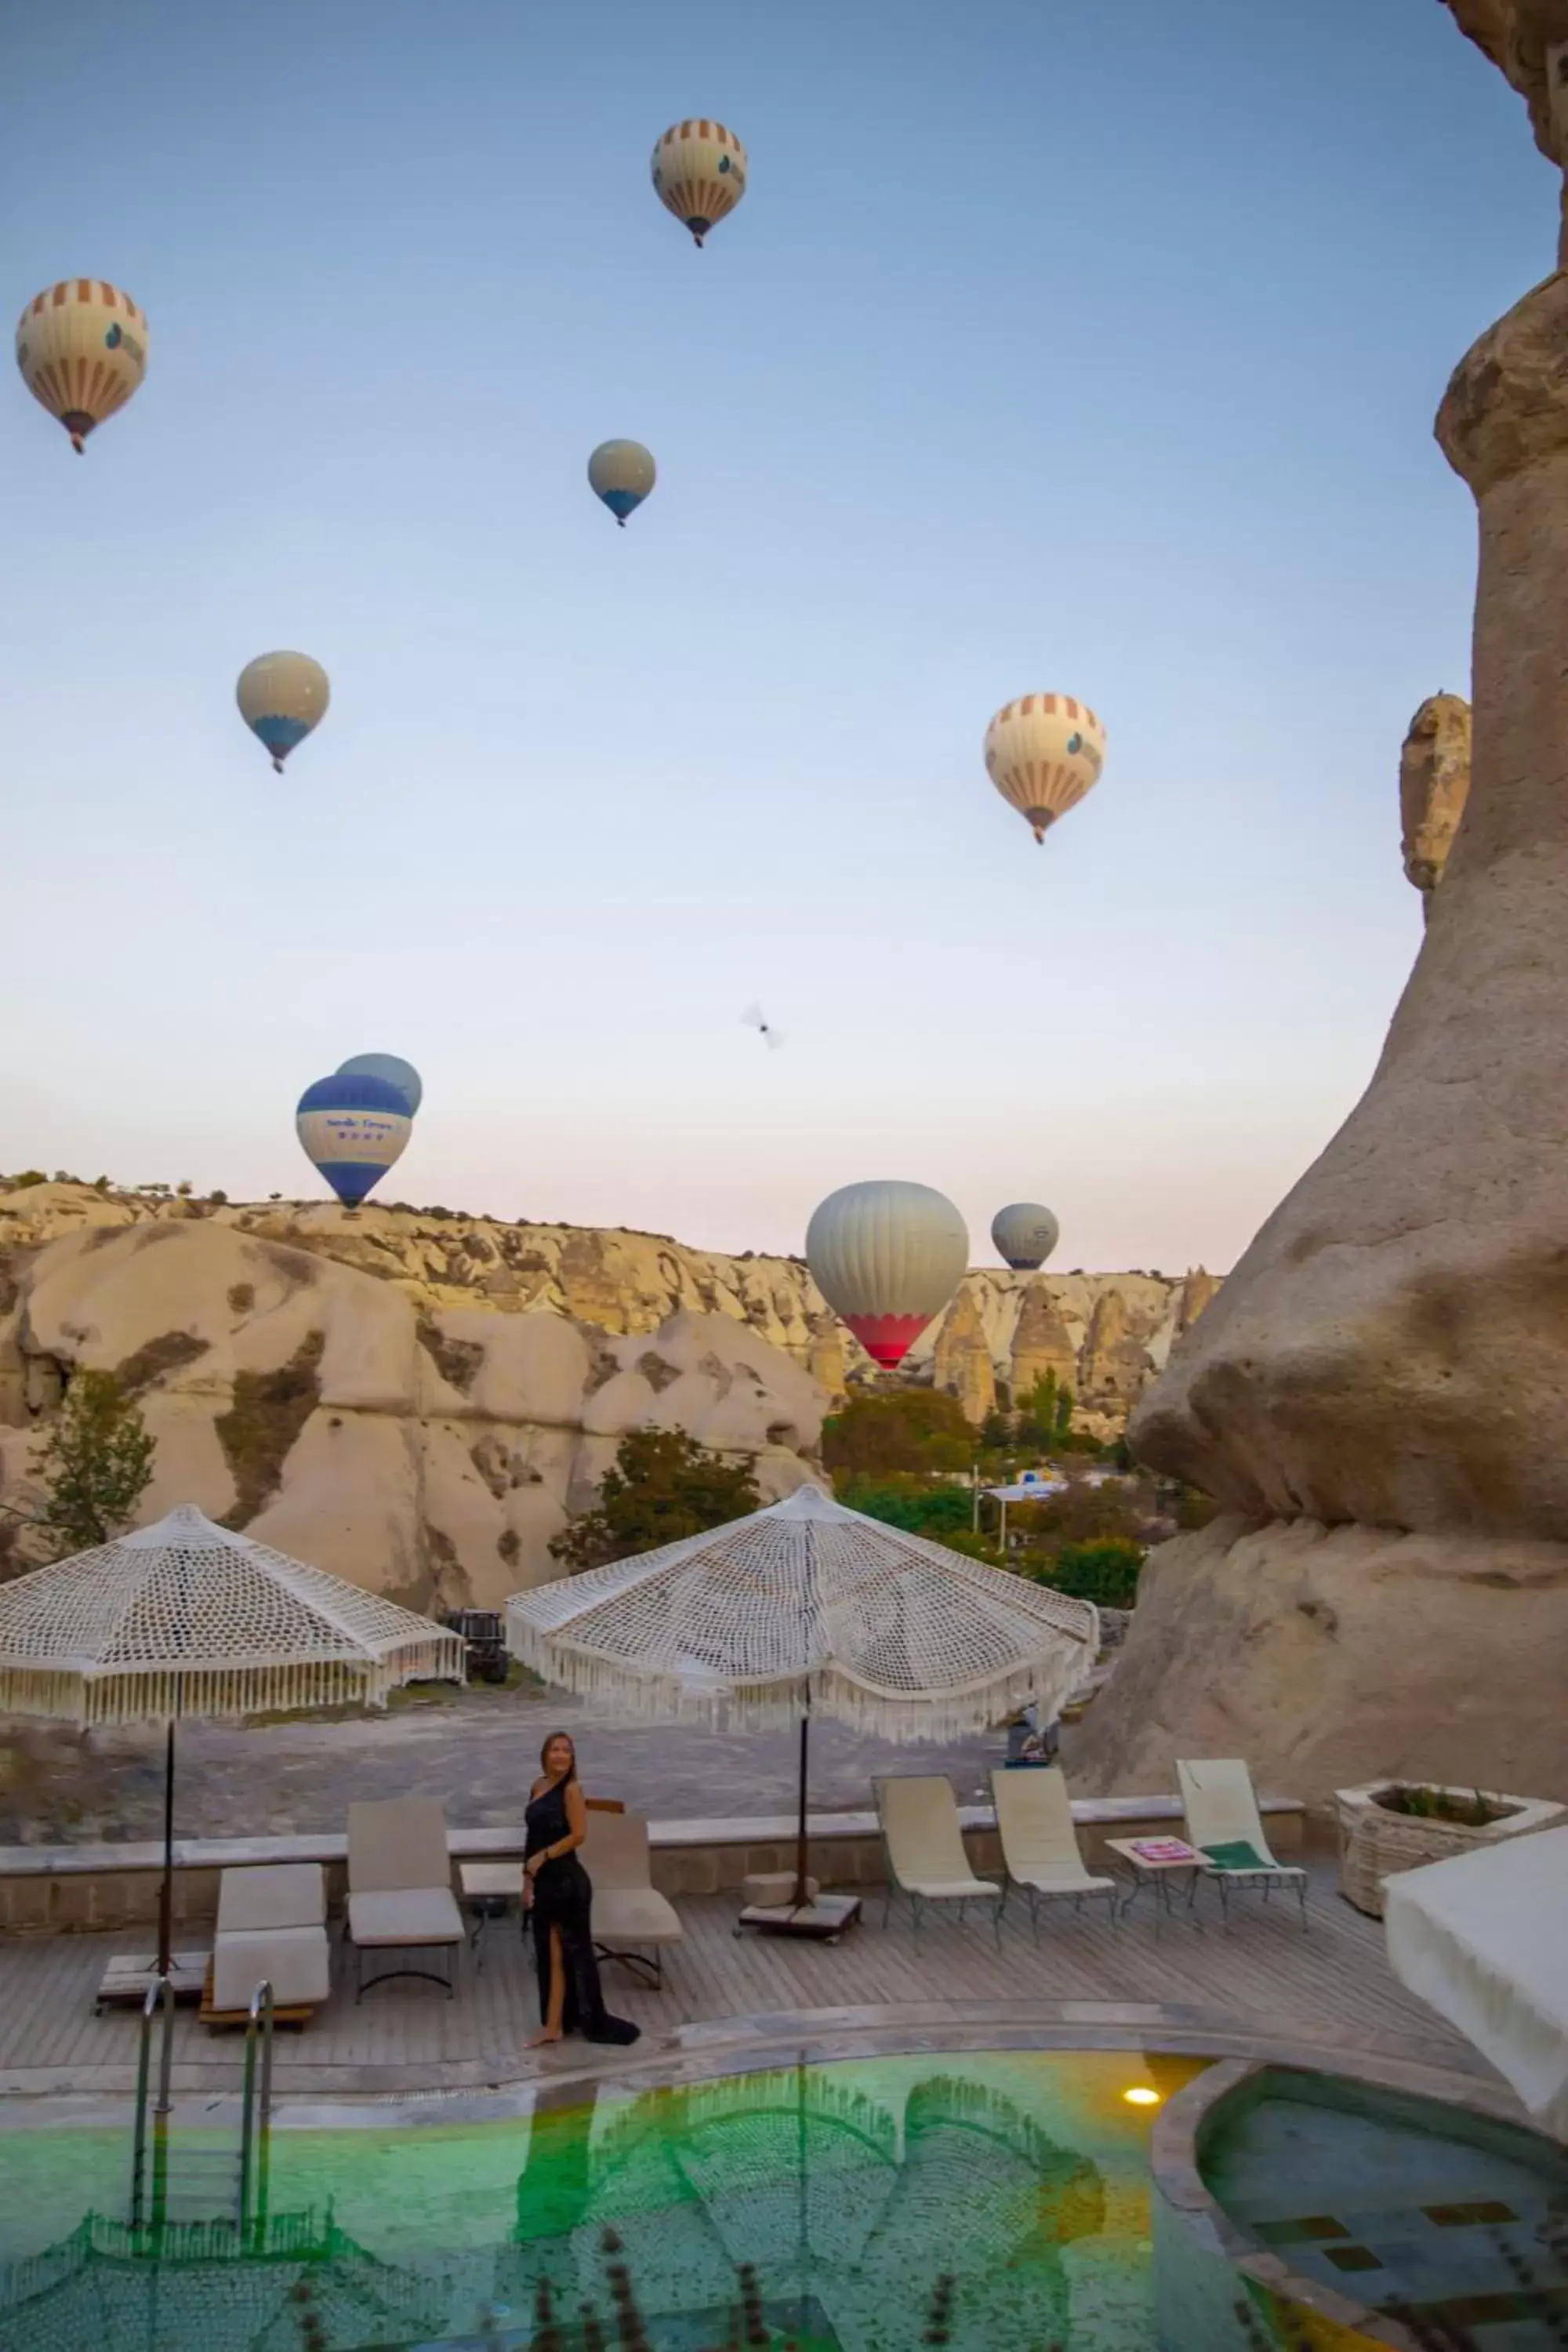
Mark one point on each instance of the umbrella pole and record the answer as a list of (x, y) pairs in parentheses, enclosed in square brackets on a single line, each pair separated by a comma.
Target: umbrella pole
[(166, 1891), (800, 1825)]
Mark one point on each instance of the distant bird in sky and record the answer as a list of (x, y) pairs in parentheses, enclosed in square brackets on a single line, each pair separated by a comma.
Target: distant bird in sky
[(754, 1019)]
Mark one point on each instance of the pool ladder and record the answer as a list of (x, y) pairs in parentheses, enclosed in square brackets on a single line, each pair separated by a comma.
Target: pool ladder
[(200, 2178)]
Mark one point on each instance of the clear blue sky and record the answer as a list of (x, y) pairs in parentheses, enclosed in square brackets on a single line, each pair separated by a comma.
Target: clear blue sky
[(1054, 345)]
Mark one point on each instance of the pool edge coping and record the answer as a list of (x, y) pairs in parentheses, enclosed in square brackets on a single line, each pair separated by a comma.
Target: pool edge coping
[(764, 2042)]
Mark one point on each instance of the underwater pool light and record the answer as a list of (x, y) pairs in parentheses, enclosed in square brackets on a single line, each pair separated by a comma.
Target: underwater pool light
[(1138, 2094)]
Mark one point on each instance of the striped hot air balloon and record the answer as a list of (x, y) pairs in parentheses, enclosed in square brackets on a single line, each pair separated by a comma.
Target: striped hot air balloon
[(700, 173), (82, 349), (351, 1131), (621, 474), (887, 1257), (394, 1069), (1043, 753), (282, 698), (1025, 1234)]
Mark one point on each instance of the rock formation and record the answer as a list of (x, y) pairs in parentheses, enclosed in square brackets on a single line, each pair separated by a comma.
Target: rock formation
[(1379, 1391), (1433, 785), (1042, 1345), (961, 1360), (427, 1452), (625, 1282)]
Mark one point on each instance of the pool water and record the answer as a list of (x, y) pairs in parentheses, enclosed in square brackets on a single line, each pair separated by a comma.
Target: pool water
[(1390, 2202), (858, 2205)]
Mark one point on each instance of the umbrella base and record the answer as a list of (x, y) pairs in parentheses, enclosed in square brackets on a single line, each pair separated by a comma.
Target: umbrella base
[(129, 1978), (825, 1919)]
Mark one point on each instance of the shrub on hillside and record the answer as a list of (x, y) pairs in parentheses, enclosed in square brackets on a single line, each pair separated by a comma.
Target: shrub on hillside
[(663, 1485), (1106, 1572), (905, 1429), (939, 1512)]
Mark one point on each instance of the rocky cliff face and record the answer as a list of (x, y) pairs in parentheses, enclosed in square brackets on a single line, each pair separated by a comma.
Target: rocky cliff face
[(419, 1402), (423, 1450), (1002, 1327), (1379, 1392)]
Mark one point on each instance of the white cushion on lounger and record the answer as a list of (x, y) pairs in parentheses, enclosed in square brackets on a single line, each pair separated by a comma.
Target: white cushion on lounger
[(294, 1960), (635, 1916), (951, 1890), (412, 1915), (277, 1894)]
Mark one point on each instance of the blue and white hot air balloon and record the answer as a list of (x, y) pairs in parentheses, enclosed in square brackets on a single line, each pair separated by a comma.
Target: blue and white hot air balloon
[(282, 698), (394, 1069), (353, 1129), (621, 474)]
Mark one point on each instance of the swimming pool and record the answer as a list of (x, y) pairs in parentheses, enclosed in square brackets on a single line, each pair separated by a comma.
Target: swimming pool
[(846, 2204)]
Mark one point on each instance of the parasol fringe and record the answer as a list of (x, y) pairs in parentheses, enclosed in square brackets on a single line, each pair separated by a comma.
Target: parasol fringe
[(908, 1718), (235, 1689)]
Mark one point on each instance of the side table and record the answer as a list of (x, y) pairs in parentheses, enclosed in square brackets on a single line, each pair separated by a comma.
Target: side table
[(489, 1888), (1144, 1870)]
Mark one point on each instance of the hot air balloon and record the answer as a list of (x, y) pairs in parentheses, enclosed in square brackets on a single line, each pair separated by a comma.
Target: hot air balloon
[(1025, 1234), (282, 698), (394, 1069), (699, 171), (622, 473), (1043, 753), (887, 1257), (82, 349), (353, 1129)]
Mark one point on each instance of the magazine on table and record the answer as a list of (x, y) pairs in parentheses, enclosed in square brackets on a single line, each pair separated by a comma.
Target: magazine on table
[(1164, 1849)]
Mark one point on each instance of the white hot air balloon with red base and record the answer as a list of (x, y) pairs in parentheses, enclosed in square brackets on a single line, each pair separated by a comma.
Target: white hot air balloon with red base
[(887, 1257)]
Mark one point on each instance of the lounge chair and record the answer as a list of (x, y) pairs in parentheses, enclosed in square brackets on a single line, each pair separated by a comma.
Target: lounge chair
[(400, 1888), (1039, 1843), (924, 1847), (271, 1928), (633, 1921), (1224, 1825)]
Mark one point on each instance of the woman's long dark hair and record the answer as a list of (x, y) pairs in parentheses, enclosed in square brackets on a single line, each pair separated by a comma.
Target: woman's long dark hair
[(544, 1753)]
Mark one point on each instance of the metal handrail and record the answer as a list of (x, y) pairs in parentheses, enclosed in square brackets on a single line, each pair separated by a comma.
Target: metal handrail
[(260, 2023), (160, 1994)]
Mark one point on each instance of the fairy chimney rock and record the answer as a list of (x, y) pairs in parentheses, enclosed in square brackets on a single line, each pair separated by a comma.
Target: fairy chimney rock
[(1433, 785), (962, 1361), (1042, 1344)]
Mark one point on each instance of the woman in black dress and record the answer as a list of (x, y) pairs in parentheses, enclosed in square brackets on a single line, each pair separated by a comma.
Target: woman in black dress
[(559, 1894)]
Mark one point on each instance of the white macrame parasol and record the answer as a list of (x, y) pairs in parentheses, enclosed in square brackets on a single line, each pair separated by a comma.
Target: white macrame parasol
[(188, 1618), (809, 1608)]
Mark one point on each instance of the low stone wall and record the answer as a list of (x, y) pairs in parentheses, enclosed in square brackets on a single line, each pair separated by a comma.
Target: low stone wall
[(66, 1890)]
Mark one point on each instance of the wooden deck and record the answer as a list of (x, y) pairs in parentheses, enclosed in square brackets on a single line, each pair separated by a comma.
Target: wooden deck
[(1196, 1987)]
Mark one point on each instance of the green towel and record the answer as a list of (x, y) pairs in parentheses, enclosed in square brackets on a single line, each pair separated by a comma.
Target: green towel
[(1239, 1855)]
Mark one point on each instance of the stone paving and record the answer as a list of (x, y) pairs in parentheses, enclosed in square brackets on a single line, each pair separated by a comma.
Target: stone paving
[(476, 1751)]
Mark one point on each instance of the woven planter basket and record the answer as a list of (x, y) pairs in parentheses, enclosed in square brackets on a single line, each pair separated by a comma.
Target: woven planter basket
[(1375, 1844)]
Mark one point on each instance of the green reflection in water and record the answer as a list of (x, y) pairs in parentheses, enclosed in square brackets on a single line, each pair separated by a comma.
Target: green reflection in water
[(847, 2199)]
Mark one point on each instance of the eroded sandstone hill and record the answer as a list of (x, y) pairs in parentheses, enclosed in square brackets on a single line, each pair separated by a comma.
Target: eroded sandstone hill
[(1103, 1334), (419, 1400)]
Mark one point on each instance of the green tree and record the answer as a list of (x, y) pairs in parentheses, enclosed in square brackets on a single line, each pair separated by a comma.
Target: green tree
[(996, 1431), (937, 1512), (663, 1486), (97, 1464), (1062, 1424), (1105, 1572), (903, 1429), (974, 1547)]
